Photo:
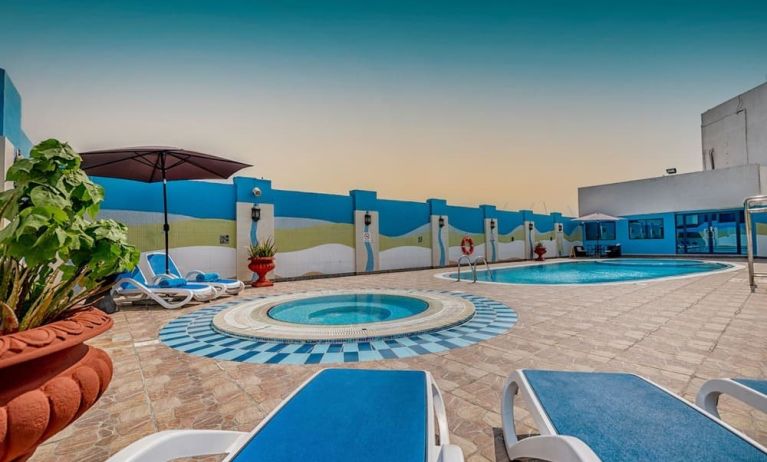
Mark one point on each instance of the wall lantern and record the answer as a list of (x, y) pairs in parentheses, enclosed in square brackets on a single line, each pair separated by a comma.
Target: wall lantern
[(368, 219), (255, 212), (492, 224), (441, 222), (559, 227), (530, 226)]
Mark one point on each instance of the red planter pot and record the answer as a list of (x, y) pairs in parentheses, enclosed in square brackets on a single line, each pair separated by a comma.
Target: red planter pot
[(540, 251), (261, 266), (49, 378)]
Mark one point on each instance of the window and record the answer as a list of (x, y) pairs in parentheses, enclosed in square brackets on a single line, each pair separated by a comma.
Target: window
[(600, 231), (646, 229)]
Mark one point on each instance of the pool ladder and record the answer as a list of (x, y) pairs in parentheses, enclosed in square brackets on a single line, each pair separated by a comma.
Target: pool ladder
[(473, 266)]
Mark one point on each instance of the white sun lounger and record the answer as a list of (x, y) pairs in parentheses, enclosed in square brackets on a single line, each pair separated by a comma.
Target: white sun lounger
[(603, 416), (156, 261), (750, 391), (338, 415), (133, 286)]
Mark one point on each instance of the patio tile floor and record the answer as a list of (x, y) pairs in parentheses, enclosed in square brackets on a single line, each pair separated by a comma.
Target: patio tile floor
[(676, 332)]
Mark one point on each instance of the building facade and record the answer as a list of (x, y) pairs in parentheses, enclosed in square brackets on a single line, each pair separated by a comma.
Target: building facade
[(698, 213), (13, 141)]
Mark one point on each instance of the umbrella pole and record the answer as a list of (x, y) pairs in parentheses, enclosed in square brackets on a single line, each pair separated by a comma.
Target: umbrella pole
[(165, 226)]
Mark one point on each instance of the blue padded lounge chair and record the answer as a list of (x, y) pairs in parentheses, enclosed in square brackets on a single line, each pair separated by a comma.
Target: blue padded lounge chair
[(338, 415), (593, 416), (156, 261), (133, 286), (750, 391)]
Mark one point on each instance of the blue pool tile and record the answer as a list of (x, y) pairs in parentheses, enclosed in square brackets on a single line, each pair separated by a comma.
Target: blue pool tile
[(314, 358), (351, 357)]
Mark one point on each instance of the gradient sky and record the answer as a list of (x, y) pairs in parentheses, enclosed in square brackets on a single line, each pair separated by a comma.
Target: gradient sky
[(508, 103)]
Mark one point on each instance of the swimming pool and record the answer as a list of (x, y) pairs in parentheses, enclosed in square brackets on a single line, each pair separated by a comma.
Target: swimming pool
[(348, 309), (596, 271)]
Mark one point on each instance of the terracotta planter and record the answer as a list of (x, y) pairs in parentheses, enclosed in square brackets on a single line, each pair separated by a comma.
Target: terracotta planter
[(540, 251), (49, 378), (261, 266)]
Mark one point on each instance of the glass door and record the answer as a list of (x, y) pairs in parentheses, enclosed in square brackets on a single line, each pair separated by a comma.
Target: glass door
[(710, 233), (725, 235)]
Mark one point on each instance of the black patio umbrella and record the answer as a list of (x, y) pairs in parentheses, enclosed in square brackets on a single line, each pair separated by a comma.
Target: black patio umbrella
[(151, 164)]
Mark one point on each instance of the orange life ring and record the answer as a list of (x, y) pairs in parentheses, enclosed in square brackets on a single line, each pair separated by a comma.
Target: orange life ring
[(467, 242)]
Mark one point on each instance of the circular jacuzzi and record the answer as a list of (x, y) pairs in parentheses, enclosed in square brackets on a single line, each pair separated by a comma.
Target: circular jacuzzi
[(339, 315), (348, 309)]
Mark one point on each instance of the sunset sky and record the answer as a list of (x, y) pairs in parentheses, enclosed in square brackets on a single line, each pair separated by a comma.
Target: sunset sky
[(508, 103)]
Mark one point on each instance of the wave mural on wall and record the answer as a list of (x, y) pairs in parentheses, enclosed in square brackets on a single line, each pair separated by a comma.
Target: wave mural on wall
[(512, 244), (409, 250), (572, 236), (761, 237), (456, 235), (206, 244), (308, 246)]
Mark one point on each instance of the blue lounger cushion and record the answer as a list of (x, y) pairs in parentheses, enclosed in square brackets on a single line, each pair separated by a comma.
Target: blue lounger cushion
[(208, 277), (623, 417), (754, 384), (172, 283), (347, 415)]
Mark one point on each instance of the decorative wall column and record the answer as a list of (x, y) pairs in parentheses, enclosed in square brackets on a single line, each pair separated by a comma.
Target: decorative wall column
[(255, 219), (529, 226), (366, 236), (559, 235), (491, 232), (440, 233)]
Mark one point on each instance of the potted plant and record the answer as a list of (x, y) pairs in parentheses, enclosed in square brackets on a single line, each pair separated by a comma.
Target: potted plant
[(539, 250), (54, 260), (261, 258)]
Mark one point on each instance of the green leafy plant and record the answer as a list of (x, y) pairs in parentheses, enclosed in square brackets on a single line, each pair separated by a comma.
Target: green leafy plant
[(264, 249), (53, 255)]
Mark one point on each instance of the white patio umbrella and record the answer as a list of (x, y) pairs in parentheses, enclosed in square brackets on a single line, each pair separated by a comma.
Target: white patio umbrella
[(597, 218)]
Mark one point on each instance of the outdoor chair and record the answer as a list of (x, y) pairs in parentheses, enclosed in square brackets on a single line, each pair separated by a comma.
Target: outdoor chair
[(338, 415), (164, 291), (613, 251), (593, 416), (578, 251), (156, 261)]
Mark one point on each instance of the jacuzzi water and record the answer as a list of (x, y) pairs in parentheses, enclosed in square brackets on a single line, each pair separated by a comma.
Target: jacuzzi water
[(348, 309), (594, 272)]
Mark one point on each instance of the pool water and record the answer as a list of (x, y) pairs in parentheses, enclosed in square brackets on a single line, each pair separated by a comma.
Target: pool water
[(348, 309), (595, 272)]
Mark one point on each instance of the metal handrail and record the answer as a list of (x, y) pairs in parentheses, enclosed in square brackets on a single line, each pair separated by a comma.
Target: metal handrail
[(471, 265), (760, 202)]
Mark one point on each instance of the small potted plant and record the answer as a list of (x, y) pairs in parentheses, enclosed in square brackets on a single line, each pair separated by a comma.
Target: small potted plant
[(261, 258), (539, 250), (55, 261)]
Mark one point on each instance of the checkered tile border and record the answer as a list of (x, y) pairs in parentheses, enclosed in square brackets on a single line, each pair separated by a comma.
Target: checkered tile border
[(193, 333)]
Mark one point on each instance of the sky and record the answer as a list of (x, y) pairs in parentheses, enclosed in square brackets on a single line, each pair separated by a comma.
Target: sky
[(515, 104)]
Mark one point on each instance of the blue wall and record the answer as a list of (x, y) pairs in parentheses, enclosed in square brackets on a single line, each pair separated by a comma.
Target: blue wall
[(400, 217), (10, 114)]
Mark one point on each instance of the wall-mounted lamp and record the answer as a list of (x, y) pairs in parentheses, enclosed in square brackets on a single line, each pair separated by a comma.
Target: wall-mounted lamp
[(559, 227), (530, 226), (368, 219), (492, 224), (255, 212), (441, 222)]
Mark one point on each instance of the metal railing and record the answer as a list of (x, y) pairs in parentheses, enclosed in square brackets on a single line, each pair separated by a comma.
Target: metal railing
[(753, 205), (473, 266)]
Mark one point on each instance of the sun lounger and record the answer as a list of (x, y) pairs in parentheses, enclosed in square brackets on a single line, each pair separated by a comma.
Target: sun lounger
[(133, 286), (750, 391), (338, 415), (592, 416), (156, 262), (578, 251)]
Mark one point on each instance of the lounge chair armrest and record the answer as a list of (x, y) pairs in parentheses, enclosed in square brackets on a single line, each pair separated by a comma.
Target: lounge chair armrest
[(450, 453), (708, 395), (556, 448), (174, 444), (192, 275), (162, 277)]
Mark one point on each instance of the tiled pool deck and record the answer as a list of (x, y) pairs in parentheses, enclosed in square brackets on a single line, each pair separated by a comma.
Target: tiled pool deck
[(677, 332)]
